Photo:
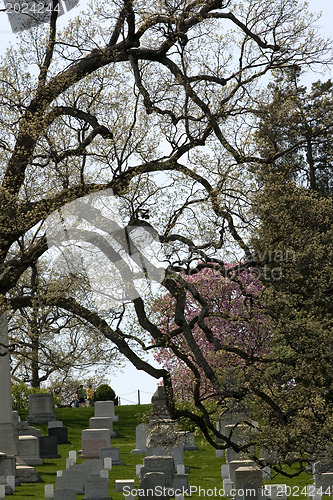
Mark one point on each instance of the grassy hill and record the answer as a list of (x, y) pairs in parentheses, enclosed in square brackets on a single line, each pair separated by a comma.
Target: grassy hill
[(205, 468)]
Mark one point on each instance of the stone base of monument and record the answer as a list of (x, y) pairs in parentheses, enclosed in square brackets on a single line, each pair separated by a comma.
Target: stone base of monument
[(29, 450), (27, 474), (48, 447), (113, 453), (65, 494), (102, 423)]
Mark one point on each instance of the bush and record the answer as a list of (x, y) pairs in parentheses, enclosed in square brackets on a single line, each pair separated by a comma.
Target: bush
[(104, 393)]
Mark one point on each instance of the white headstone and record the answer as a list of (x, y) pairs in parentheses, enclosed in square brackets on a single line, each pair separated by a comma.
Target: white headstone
[(227, 487), (180, 469), (72, 455), (104, 474), (138, 469), (49, 492), (107, 463), (225, 471)]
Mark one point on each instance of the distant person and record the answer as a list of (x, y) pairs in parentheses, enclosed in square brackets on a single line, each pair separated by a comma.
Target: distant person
[(82, 395), (90, 395), (76, 399)]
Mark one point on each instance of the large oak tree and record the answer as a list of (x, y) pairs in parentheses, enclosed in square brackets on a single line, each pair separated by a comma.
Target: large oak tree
[(130, 90)]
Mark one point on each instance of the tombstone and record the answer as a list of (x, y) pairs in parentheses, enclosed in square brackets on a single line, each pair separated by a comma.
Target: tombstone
[(225, 473), (72, 478), (177, 453), (236, 464), (266, 473), (275, 491), (11, 482), (248, 480), (180, 482), (48, 447), (107, 463), (324, 481), (138, 469), (96, 487), (29, 450), (61, 433), (41, 408), (111, 452), (65, 494), (105, 409), (227, 487), (180, 469), (219, 453), (124, 483), (159, 464), (72, 455), (2, 492), (102, 423), (91, 466), (93, 440), (140, 439), (152, 484), (49, 491)]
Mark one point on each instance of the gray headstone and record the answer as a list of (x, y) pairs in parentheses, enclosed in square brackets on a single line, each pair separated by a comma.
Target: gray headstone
[(41, 408), (236, 464), (105, 409), (249, 480), (61, 434), (111, 452), (180, 482), (324, 481), (140, 439), (159, 464), (96, 487), (48, 447), (275, 491), (29, 450), (152, 484)]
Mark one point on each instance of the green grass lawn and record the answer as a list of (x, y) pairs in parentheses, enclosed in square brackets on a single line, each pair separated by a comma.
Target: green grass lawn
[(205, 468)]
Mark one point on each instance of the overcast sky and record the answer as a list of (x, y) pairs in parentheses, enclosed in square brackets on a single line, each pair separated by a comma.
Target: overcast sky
[(128, 383)]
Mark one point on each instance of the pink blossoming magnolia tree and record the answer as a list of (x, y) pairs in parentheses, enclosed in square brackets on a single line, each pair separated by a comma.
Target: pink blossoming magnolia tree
[(229, 329)]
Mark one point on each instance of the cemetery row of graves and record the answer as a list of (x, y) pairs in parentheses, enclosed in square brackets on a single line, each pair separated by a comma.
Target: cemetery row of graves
[(79, 458)]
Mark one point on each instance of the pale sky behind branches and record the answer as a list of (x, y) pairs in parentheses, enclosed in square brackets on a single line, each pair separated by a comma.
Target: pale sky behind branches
[(127, 383)]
